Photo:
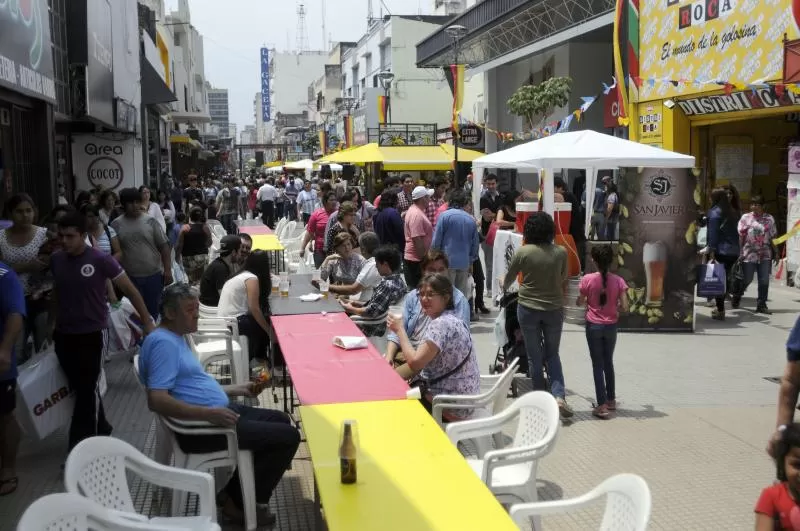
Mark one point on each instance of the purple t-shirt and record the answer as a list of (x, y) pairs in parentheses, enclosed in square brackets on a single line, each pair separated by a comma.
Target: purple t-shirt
[(80, 282), (591, 287)]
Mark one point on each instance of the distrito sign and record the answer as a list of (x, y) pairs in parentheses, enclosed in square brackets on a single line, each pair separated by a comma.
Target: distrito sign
[(102, 161)]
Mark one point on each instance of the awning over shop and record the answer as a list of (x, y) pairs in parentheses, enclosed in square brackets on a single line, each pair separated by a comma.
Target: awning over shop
[(498, 28), (404, 158), (464, 154), (154, 90), (185, 139), (360, 155), (190, 117)]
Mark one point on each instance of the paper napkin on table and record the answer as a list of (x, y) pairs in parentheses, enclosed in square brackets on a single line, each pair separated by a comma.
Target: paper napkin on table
[(350, 342), (311, 297)]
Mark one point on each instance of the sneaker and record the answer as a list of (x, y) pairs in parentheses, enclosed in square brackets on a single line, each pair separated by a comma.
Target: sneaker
[(601, 412), (484, 310), (564, 409), (473, 318), (718, 315), (735, 301), (611, 405), (762, 308)]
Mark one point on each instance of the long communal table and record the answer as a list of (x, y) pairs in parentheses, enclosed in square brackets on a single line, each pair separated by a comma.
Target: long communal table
[(292, 305), (409, 474), (325, 374), (256, 230)]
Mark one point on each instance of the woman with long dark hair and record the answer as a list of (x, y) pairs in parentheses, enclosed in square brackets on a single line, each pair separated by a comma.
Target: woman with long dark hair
[(723, 240), (246, 297), (108, 206), (604, 294), (540, 307)]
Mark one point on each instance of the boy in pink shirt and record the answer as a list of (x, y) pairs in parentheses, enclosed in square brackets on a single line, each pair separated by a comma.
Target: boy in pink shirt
[(605, 296)]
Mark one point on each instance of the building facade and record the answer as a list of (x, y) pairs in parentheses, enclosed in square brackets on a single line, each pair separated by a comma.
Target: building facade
[(219, 111)]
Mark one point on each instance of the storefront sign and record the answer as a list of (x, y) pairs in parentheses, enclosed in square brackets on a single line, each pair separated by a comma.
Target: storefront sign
[(266, 105), (26, 58), (472, 137), (101, 161), (760, 98), (611, 108), (737, 41), (359, 128), (650, 126), (657, 251)]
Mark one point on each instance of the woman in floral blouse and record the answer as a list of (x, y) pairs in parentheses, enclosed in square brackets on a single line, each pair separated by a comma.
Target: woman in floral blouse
[(344, 265), (756, 231), (445, 357)]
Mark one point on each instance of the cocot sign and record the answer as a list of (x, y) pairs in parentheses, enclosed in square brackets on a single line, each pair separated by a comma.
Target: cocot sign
[(104, 162)]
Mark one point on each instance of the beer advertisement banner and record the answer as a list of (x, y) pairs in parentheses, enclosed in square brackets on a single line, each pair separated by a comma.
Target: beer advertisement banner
[(705, 41), (657, 252)]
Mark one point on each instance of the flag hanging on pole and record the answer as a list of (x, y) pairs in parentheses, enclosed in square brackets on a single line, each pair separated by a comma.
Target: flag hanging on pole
[(383, 107), (457, 73), (348, 131)]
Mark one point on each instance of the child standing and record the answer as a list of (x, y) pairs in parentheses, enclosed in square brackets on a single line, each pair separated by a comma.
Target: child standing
[(605, 296), (777, 507)]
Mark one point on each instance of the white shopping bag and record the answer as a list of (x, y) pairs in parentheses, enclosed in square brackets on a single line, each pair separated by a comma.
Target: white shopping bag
[(44, 399)]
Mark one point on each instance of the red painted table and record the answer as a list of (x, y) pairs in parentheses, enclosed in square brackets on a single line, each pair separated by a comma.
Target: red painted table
[(256, 230), (325, 374)]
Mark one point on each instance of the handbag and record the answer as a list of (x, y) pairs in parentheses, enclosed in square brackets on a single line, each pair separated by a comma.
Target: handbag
[(491, 233), (711, 280)]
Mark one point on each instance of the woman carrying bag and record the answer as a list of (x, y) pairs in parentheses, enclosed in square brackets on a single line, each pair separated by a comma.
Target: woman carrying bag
[(723, 242)]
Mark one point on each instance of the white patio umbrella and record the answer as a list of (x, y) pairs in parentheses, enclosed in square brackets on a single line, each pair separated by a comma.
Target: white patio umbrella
[(587, 150)]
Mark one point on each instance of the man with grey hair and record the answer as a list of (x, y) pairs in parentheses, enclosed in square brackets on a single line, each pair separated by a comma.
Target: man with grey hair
[(178, 387), (369, 277)]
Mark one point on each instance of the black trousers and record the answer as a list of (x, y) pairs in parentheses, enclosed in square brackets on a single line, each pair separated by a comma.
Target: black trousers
[(271, 437), (81, 357), (413, 273), (727, 261), (480, 280), (268, 213), (257, 337)]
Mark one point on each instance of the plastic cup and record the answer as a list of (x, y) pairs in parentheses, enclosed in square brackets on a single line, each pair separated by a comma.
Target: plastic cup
[(324, 285), (316, 275)]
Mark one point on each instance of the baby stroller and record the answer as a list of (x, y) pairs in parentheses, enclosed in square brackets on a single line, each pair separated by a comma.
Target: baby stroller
[(514, 346)]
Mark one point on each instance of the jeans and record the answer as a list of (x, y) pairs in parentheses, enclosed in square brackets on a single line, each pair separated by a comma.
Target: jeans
[(81, 358), (413, 274), (762, 270), (601, 339), (610, 231), (268, 213), (728, 262), (319, 257), (271, 437), (541, 331), (150, 288), (227, 221)]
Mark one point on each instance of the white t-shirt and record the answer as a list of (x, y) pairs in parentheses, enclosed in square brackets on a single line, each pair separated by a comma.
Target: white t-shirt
[(267, 193), (233, 297), (369, 278)]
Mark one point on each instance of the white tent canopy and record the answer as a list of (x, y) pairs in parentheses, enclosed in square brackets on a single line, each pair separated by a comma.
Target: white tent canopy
[(304, 164), (586, 150)]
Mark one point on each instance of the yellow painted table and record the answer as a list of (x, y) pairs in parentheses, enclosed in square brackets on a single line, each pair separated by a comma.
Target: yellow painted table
[(410, 477), (271, 244)]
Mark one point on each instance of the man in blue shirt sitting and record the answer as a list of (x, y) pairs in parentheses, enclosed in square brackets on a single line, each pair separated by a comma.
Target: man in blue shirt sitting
[(414, 321), (457, 235), (12, 316), (178, 387)]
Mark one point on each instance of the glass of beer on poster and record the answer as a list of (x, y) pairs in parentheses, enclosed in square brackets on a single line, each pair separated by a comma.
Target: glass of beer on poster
[(654, 257)]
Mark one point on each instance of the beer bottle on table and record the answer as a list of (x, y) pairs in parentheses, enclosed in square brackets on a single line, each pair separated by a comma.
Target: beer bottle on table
[(347, 454)]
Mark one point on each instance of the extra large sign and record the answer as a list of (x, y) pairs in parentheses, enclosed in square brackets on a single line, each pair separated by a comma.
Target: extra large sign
[(104, 161), (26, 58), (737, 41), (265, 96), (761, 98)]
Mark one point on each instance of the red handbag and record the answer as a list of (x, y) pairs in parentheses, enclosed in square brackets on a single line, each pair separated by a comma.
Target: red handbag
[(491, 234)]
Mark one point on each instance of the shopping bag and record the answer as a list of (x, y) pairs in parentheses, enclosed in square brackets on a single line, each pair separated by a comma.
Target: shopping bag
[(711, 280), (44, 399), (491, 233), (780, 270)]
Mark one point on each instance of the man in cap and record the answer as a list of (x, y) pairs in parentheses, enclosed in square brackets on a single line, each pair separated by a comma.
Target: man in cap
[(221, 269), (419, 235)]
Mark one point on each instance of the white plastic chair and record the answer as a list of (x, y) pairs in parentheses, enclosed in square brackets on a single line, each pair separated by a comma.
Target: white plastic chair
[(628, 504), (287, 233), (96, 468), (510, 473), (279, 227), (217, 228), (67, 512), (231, 457), (491, 401), (217, 339), (207, 311)]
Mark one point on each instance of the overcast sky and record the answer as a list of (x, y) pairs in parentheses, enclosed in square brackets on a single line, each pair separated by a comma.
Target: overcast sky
[(235, 30)]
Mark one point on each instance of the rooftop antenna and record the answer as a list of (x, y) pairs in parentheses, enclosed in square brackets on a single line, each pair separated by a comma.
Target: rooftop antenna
[(325, 45), (302, 30), (370, 13)]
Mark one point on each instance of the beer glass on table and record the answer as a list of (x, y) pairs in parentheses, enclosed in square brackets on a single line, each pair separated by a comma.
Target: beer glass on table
[(654, 257)]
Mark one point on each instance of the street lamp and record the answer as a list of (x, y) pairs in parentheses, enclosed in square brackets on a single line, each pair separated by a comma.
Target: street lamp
[(456, 32), (386, 79)]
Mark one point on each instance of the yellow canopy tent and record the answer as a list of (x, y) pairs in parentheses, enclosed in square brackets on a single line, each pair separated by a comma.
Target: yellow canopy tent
[(402, 158), (464, 155), (358, 155)]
